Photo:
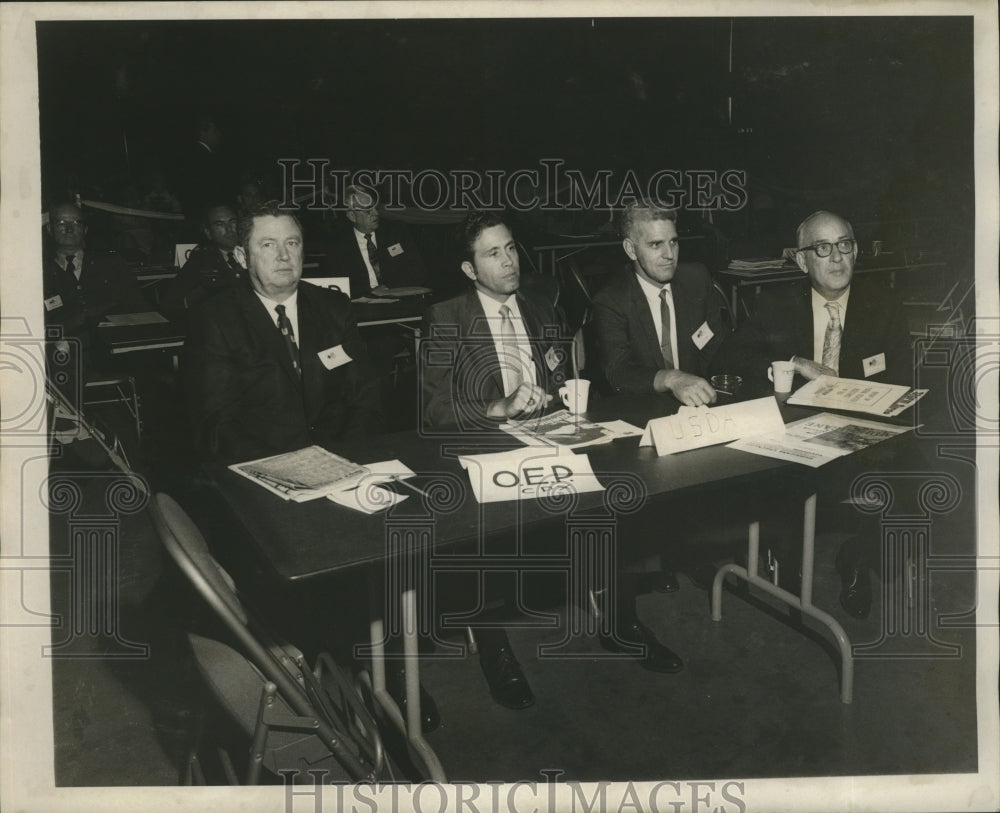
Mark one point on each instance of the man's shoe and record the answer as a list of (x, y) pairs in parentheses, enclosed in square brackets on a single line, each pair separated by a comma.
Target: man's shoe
[(657, 658), (508, 685), (430, 717), (856, 592)]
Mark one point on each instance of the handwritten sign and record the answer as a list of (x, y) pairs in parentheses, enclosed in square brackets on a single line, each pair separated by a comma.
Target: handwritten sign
[(695, 427), (528, 474)]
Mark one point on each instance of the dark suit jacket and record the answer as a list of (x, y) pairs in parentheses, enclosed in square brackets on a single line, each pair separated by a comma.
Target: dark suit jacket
[(397, 267), (206, 272), (106, 285), (460, 370), (244, 397), (629, 347), (781, 327)]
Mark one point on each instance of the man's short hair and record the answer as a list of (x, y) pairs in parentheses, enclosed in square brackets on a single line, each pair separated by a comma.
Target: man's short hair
[(640, 211), (800, 231), (475, 224), (270, 208), (205, 212), (352, 191)]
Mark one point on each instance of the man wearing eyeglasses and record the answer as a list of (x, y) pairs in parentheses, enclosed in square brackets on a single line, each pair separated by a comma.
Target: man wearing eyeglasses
[(834, 325)]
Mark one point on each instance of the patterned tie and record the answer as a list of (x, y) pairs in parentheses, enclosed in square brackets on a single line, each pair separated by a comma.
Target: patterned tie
[(511, 360), (373, 256), (831, 340), (666, 347), (285, 326)]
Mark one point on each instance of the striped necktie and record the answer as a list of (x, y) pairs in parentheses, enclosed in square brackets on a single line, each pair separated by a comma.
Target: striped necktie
[(831, 339), (285, 326)]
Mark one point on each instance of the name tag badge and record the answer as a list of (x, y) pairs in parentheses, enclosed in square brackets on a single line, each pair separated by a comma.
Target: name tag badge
[(334, 357), (553, 358), (702, 336), (53, 302), (395, 250), (874, 364)]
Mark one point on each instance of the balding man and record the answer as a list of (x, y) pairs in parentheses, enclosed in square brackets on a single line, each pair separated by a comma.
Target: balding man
[(832, 324)]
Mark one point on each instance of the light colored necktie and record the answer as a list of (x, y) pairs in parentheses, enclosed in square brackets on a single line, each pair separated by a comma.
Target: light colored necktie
[(666, 347), (511, 357), (831, 340)]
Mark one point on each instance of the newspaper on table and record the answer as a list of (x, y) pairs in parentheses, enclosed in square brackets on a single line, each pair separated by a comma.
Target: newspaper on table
[(529, 473), (304, 474), (855, 395), (566, 430), (819, 439)]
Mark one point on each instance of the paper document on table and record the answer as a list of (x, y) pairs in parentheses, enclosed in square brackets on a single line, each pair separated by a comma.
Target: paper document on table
[(695, 427), (819, 439), (408, 290), (567, 430), (373, 300), (529, 474), (304, 474), (127, 319), (855, 395)]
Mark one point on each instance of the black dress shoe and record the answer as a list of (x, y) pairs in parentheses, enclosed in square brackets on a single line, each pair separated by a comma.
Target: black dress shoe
[(855, 587), (430, 718), (657, 658), (665, 581), (508, 685)]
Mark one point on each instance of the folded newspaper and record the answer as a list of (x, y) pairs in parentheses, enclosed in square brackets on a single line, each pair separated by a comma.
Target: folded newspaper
[(566, 430), (304, 474)]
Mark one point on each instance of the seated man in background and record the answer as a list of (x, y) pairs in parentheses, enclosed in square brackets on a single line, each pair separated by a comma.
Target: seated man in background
[(80, 287), (830, 324), (375, 253), (270, 366), (211, 267)]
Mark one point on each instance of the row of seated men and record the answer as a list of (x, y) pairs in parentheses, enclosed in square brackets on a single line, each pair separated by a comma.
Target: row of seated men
[(270, 365)]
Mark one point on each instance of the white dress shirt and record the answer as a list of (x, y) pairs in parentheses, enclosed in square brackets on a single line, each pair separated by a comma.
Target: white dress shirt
[(291, 311), (493, 317), (821, 318), (77, 261), (652, 294)]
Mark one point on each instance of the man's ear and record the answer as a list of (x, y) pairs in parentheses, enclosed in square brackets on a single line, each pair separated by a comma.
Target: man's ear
[(800, 261), (240, 254), (469, 270), (629, 247)]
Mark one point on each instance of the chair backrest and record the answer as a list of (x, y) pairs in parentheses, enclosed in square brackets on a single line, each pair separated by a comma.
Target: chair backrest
[(188, 548)]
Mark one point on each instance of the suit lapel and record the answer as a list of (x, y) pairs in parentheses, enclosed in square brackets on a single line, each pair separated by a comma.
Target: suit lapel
[(803, 325), (480, 326), (309, 345), (261, 324), (644, 319)]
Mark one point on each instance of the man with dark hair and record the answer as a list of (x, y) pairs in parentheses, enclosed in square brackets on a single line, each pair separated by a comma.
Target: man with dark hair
[(271, 366), (830, 324), (211, 267), (657, 325), (374, 252)]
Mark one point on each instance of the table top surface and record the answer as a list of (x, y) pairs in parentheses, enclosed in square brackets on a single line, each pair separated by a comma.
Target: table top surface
[(303, 540)]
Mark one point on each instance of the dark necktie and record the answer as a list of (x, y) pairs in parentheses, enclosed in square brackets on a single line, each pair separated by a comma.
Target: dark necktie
[(666, 348), (373, 256), (285, 326), (71, 264), (232, 263)]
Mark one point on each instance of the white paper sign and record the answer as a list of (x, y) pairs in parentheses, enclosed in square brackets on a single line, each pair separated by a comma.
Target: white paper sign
[(529, 474), (695, 427)]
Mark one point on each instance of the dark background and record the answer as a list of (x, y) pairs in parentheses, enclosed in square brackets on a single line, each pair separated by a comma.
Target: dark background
[(872, 117)]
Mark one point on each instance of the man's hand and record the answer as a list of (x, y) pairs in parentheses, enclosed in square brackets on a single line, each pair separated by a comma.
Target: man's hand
[(809, 369), (527, 399), (689, 389)]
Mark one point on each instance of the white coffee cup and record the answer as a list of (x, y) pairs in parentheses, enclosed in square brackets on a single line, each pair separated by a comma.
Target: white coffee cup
[(575, 394), (782, 373)]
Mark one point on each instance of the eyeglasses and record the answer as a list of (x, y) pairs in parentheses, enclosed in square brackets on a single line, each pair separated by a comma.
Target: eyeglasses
[(67, 224), (826, 249)]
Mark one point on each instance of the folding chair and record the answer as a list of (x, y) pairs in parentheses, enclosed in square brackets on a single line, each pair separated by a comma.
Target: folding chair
[(300, 721), (114, 389)]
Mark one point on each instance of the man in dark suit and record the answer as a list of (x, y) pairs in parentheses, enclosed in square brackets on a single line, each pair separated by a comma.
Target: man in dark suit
[(375, 253), (657, 329), (828, 325), (272, 366), (80, 287), (211, 267)]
